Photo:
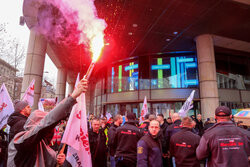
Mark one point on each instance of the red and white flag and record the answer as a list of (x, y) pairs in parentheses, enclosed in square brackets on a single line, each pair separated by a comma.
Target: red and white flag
[(76, 135), (6, 106), (144, 110), (29, 93)]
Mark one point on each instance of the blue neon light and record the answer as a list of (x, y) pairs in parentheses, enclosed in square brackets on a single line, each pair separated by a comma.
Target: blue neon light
[(135, 66), (185, 60), (160, 67), (191, 82), (190, 65)]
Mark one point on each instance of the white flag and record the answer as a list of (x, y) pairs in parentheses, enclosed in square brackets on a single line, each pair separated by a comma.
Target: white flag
[(187, 105), (40, 105), (108, 116), (6, 106), (144, 110), (76, 135), (29, 93)]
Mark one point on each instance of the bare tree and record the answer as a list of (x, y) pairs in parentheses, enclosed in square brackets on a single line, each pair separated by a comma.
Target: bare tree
[(11, 50)]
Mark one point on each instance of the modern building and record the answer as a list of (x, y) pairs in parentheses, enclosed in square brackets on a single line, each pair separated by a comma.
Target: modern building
[(159, 49)]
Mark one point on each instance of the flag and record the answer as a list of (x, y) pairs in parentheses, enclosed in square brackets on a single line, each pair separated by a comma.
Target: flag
[(187, 105), (40, 105), (29, 93), (108, 116), (6, 106), (76, 135), (144, 110)]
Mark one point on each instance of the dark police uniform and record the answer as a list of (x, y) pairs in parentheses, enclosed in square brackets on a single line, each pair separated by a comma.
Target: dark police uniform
[(183, 146), (149, 152)]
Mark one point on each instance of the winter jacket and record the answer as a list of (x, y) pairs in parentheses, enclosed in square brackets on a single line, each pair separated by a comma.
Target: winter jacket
[(183, 146), (171, 130), (225, 145), (16, 122), (149, 152), (199, 127), (125, 143), (111, 137), (98, 149), (30, 148)]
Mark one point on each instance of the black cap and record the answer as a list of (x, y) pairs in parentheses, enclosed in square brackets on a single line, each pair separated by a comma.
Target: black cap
[(223, 111)]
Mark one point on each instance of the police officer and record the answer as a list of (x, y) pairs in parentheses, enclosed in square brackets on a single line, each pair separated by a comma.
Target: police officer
[(149, 152), (125, 142), (183, 145), (224, 144)]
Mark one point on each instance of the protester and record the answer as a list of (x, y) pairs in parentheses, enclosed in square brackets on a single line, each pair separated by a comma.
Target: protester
[(149, 153), (144, 126), (3, 147), (209, 123), (17, 120), (97, 142), (174, 128), (170, 131), (125, 142), (111, 137), (199, 125), (224, 144), (183, 145), (30, 148), (163, 127), (169, 121)]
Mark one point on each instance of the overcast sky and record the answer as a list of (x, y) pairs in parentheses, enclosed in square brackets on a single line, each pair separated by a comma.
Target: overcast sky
[(10, 11)]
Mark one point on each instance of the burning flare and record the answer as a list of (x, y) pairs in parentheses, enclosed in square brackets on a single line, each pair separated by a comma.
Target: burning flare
[(96, 46)]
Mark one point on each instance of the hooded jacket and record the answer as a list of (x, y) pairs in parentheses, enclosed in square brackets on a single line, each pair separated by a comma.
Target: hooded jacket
[(16, 122), (30, 148), (225, 145)]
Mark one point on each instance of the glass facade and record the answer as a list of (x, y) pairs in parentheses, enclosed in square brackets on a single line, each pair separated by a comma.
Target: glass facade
[(233, 72), (165, 71), (123, 77)]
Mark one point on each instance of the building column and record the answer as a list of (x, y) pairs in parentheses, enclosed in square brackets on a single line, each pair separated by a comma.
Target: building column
[(61, 84), (71, 88), (34, 65), (207, 75)]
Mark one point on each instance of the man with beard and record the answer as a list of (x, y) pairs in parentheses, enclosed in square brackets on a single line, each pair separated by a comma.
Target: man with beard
[(149, 152), (17, 120)]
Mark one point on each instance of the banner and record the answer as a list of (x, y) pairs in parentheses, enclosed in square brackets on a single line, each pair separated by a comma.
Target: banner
[(29, 93), (187, 105), (144, 110), (47, 103), (6, 106), (76, 135)]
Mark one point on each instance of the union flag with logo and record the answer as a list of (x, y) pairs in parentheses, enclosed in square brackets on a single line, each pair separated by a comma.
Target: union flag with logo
[(76, 134), (29, 93)]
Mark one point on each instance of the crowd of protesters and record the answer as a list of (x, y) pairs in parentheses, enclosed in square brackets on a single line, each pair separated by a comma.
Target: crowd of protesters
[(34, 139)]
